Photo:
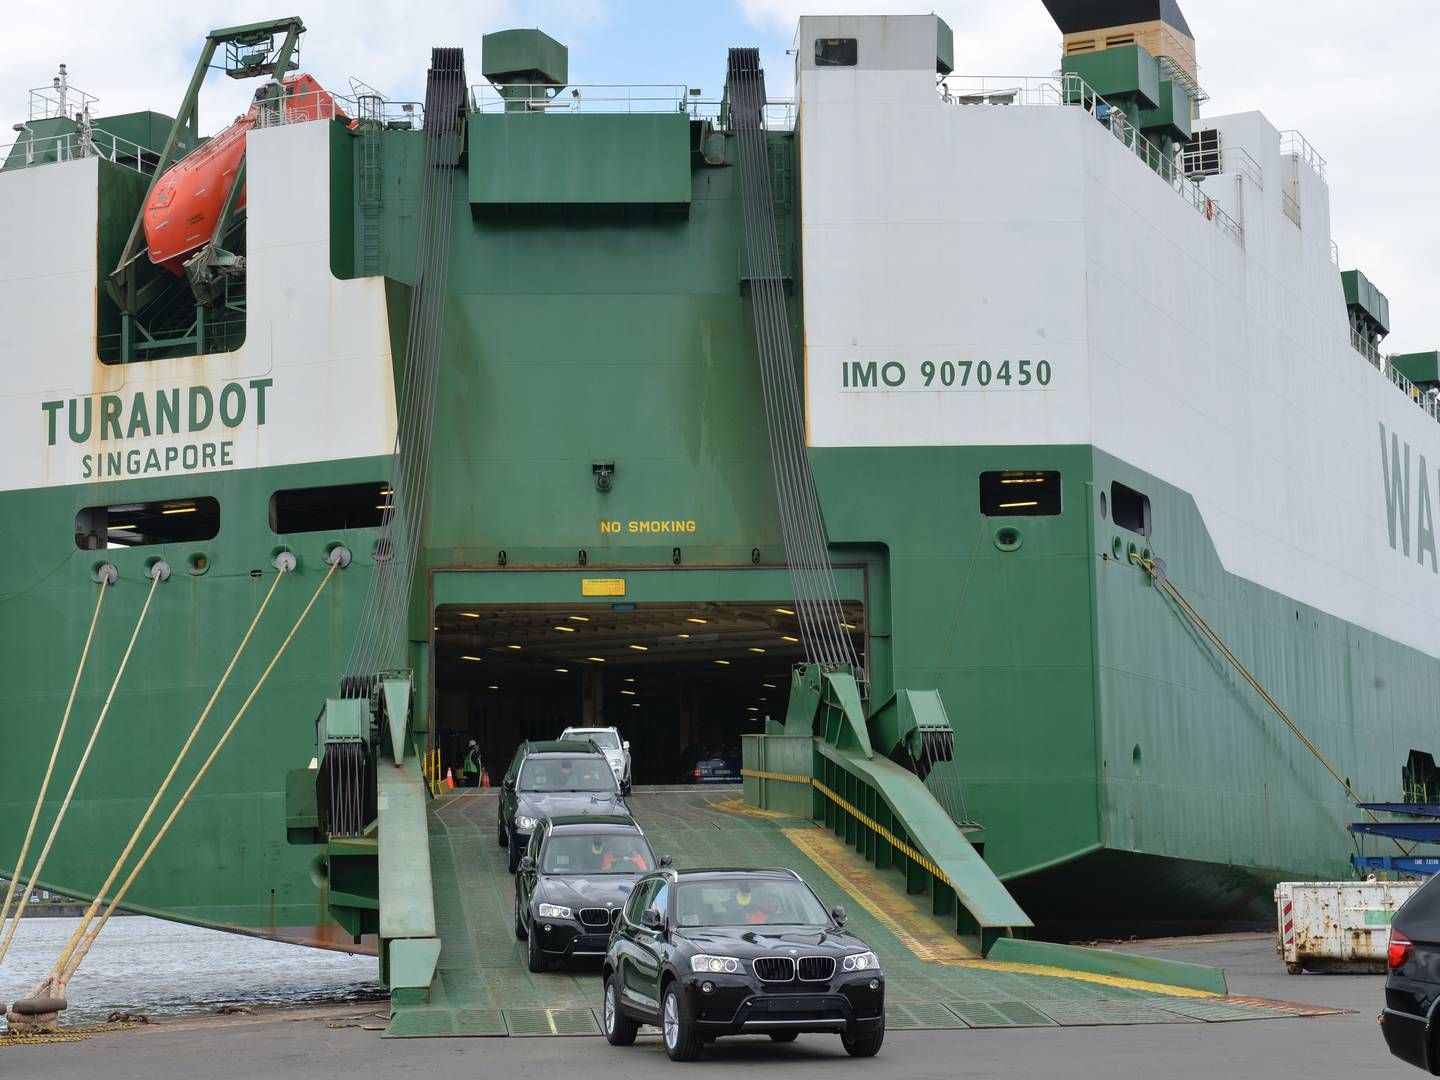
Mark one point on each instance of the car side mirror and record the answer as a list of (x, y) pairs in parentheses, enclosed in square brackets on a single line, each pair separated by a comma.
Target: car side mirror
[(527, 864), (837, 913), (651, 919), (626, 744), (667, 860), (509, 783)]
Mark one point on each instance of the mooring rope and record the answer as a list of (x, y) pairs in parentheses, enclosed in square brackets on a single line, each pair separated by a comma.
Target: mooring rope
[(34, 875), (1162, 582), (83, 948), (105, 580), (88, 917)]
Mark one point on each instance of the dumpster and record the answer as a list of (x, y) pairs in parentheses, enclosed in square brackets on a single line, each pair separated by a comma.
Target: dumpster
[(1337, 925)]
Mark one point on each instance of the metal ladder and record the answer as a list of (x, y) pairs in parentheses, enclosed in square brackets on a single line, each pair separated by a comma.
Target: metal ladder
[(372, 192)]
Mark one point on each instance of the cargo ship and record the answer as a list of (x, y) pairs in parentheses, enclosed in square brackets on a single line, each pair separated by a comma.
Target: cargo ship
[(1001, 470)]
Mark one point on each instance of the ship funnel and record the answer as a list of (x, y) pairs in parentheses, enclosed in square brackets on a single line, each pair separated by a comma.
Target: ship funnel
[(1158, 26), (528, 68)]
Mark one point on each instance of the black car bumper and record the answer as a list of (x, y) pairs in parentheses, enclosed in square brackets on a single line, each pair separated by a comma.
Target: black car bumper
[(732, 1006), (561, 937), (1408, 1037)]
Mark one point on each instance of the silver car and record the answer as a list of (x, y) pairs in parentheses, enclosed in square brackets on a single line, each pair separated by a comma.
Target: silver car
[(615, 749)]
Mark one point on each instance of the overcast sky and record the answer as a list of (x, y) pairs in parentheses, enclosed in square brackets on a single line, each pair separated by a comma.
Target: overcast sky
[(1352, 76)]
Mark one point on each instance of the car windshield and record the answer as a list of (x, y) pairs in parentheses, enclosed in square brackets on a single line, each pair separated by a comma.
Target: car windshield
[(597, 853), (566, 774), (606, 740), (747, 902)]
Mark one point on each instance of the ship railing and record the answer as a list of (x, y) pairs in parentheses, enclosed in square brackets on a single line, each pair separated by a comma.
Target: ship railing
[(1211, 159), (778, 115), (1069, 89), (1293, 144), (541, 98), (1427, 400), (1002, 90), (28, 151), (324, 105), (1366, 348)]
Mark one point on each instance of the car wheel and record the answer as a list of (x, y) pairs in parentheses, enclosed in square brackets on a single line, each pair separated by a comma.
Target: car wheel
[(534, 958), (513, 858), (501, 836), (682, 1041), (865, 1045), (619, 1028), (1292, 968), (519, 922), (784, 1036)]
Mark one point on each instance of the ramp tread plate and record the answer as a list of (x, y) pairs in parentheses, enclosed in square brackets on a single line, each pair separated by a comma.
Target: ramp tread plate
[(480, 1022), (1218, 1010), (422, 1023), (538, 1021), (920, 1015), (994, 1014), (1097, 1013)]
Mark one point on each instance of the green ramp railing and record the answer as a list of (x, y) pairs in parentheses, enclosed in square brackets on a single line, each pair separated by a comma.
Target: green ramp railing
[(826, 763)]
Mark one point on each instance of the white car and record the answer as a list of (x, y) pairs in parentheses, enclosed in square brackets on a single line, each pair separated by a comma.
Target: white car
[(615, 749)]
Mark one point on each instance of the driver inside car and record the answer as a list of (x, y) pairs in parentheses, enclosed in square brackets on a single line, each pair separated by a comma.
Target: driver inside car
[(622, 856)]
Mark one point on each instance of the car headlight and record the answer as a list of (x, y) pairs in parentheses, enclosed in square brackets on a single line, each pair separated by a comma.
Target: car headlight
[(554, 911), (523, 822), (860, 961), (711, 965)]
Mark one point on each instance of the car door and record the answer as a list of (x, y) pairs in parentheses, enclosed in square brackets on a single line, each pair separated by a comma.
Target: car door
[(525, 879), (507, 788), (631, 979), (652, 946)]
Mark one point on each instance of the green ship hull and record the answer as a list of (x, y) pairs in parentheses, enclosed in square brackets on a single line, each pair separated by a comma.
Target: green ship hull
[(1123, 773)]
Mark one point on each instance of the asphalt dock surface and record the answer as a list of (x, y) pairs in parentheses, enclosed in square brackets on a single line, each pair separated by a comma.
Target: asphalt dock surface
[(343, 1043)]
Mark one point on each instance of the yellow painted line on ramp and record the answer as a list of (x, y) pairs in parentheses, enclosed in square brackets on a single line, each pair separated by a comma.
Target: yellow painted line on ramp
[(1090, 977), (916, 928), (740, 806), (921, 933)]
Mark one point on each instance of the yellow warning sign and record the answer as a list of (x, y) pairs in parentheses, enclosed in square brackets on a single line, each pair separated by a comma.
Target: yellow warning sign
[(604, 586)]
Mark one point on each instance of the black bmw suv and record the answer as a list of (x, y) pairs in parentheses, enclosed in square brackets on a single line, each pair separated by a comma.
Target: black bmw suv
[(1412, 987), (704, 953), (550, 778), (578, 872)]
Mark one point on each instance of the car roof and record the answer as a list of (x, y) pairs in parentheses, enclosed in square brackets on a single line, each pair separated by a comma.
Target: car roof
[(590, 821), (773, 873), (590, 729), (560, 746)]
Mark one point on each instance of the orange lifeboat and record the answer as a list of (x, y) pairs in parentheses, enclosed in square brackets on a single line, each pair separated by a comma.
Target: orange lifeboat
[(181, 213)]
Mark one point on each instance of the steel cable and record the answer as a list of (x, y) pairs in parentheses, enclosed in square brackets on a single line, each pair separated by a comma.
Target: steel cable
[(380, 639), (819, 608)]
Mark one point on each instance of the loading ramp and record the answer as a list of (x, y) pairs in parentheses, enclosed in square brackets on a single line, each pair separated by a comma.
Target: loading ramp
[(482, 986)]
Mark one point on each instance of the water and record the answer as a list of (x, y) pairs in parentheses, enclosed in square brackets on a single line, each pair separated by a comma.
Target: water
[(166, 969)]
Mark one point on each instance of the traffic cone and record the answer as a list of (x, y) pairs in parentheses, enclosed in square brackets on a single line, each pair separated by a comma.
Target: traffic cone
[(449, 779), (484, 777)]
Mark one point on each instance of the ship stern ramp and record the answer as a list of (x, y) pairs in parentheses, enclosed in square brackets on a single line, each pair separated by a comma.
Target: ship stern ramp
[(865, 779)]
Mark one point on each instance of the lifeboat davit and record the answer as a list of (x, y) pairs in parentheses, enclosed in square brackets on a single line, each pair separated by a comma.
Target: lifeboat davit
[(181, 212)]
